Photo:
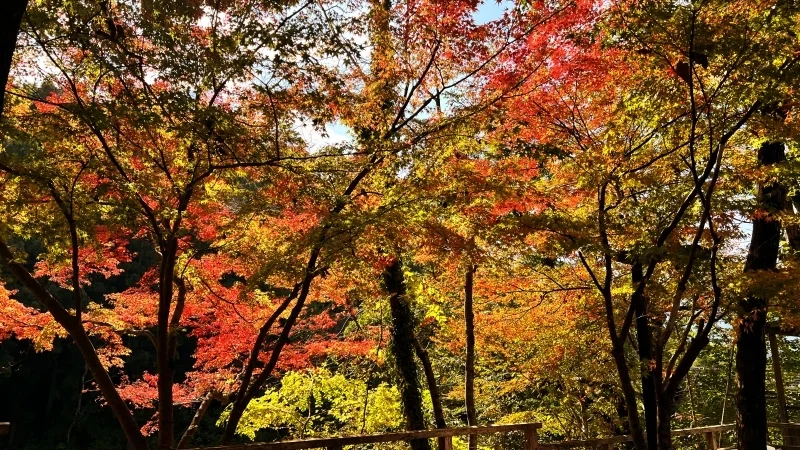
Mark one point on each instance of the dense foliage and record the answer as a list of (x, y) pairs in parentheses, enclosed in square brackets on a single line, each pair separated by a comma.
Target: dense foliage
[(246, 220)]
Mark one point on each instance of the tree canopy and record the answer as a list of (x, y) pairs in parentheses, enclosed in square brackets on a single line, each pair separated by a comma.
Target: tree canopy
[(236, 220)]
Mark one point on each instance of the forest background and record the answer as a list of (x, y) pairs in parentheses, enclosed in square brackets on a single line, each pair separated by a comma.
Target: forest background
[(236, 220)]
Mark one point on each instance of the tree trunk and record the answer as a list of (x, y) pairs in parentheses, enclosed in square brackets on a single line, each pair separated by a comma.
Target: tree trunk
[(433, 388), (751, 352), (629, 394), (9, 28), (622, 414), (248, 392), (727, 386), (751, 362), (164, 357), (793, 230), (136, 440), (110, 394), (777, 371), (194, 425), (402, 346), (645, 347), (665, 407), (469, 370), (10, 21)]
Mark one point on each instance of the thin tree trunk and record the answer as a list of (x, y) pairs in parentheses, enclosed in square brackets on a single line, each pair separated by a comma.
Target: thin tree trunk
[(103, 381), (751, 353), (402, 346), (622, 414), (793, 230), (727, 386), (629, 394), (777, 371), (691, 400), (469, 370), (80, 403), (665, 407), (248, 391), (433, 388), (164, 357), (645, 348), (52, 390), (194, 425), (10, 22), (751, 361)]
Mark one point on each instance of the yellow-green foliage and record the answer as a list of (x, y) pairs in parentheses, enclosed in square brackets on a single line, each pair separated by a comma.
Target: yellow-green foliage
[(320, 403)]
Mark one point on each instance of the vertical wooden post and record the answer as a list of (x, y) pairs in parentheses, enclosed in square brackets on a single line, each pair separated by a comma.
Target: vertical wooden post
[(446, 443), (334, 447), (531, 437), (607, 446), (711, 441)]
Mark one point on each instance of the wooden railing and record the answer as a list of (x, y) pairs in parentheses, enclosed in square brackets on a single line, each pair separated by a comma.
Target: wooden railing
[(790, 434), (608, 443), (529, 431), (445, 436)]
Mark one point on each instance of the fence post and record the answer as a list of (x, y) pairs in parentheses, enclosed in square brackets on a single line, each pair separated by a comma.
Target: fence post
[(711, 441), (531, 438), (446, 443), (334, 447), (607, 446)]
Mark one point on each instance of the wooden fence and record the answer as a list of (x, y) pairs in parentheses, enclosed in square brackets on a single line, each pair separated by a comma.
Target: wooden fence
[(445, 436), (710, 433), (790, 433), (528, 430)]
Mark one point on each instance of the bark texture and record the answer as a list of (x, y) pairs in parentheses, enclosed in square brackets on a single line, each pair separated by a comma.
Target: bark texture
[(402, 346), (10, 21), (469, 370), (645, 349), (751, 350), (433, 388)]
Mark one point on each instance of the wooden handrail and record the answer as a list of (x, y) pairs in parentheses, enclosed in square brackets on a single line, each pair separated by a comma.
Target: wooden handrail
[(705, 429), (529, 430), (338, 442), (628, 438), (589, 442), (783, 425)]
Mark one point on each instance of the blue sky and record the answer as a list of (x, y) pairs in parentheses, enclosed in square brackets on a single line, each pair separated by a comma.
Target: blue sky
[(487, 11), (490, 10)]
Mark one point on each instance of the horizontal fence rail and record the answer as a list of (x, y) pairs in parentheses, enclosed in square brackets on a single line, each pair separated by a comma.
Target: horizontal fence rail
[(790, 434), (529, 430), (447, 434), (608, 442)]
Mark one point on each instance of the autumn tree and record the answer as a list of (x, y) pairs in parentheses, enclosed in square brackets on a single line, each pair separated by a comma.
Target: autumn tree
[(648, 156), (751, 348), (511, 195), (423, 55), (150, 127)]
